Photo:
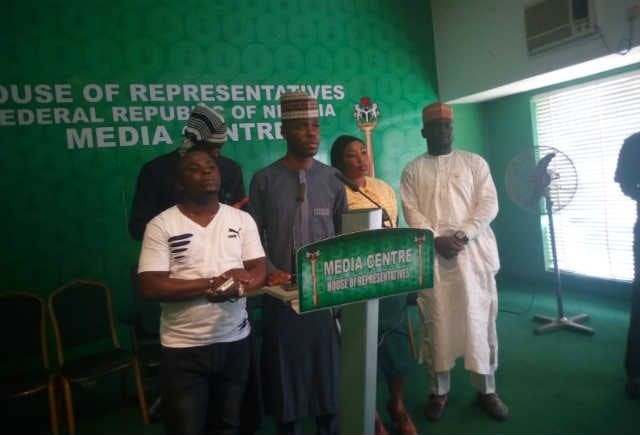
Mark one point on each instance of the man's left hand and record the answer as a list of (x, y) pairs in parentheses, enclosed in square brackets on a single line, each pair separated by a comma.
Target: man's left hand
[(448, 246), (240, 275)]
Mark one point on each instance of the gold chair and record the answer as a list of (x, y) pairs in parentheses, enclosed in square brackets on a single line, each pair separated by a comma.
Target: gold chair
[(86, 341), (143, 318), (23, 345)]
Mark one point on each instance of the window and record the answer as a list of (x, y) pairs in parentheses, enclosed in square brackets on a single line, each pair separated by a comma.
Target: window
[(589, 122)]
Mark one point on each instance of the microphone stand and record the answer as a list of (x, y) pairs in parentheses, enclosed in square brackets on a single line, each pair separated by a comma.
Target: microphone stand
[(353, 186), (300, 196)]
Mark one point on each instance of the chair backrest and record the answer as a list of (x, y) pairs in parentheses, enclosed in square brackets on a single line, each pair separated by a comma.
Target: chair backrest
[(82, 315), (22, 327)]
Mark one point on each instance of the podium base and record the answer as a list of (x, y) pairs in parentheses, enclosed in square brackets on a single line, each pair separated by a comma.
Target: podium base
[(359, 367)]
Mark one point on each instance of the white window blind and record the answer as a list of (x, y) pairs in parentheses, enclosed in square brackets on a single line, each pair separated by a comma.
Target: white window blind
[(589, 122)]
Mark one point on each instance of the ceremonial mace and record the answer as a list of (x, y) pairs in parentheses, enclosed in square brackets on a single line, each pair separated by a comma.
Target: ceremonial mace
[(312, 255), (366, 114), (419, 241)]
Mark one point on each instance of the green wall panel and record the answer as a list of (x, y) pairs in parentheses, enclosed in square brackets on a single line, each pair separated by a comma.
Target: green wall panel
[(66, 210), (509, 127), (469, 129)]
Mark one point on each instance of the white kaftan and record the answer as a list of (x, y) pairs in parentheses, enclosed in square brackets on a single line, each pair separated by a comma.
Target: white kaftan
[(446, 194)]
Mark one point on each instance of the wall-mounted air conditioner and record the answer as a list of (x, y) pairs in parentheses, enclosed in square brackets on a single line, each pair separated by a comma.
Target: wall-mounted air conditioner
[(549, 23)]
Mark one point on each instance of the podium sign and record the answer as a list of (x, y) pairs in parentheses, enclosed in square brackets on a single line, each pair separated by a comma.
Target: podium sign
[(364, 265)]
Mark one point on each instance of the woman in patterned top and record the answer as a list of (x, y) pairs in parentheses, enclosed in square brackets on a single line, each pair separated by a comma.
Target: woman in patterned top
[(349, 155)]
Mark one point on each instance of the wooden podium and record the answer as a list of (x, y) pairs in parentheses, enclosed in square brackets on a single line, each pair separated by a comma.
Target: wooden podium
[(359, 345), (352, 271)]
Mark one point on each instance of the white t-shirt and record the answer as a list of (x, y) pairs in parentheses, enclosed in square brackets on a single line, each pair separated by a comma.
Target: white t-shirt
[(173, 242)]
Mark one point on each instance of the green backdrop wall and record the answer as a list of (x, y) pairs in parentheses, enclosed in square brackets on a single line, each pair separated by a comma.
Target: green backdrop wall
[(89, 91), (470, 132)]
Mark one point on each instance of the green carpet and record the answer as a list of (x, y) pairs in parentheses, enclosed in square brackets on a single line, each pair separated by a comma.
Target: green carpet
[(562, 382)]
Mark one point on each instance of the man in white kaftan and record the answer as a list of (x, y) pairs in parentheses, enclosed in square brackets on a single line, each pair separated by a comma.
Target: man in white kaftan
[(452, 193)]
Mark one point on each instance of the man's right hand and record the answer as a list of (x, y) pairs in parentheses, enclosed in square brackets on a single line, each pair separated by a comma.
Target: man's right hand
[(278, 277), (448, 246)]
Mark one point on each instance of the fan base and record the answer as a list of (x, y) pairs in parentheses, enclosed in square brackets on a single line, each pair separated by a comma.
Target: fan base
[(555, 323)]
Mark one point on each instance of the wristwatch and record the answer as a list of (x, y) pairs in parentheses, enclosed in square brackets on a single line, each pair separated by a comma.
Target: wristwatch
[(462, 236)]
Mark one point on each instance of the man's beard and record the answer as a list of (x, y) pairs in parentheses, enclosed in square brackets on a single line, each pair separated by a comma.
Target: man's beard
[(302, 154), (204, 197), (439, 147)]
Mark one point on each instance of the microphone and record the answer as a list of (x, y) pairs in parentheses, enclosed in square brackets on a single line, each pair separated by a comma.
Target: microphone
[(353, 186), (300, 194), (350, 184)]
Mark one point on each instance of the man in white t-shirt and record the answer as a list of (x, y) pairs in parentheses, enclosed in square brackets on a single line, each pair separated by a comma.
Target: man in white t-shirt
[(198, 258)]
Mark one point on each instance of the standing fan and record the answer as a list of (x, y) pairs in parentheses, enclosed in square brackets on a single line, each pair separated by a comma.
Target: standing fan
[(544, 180)]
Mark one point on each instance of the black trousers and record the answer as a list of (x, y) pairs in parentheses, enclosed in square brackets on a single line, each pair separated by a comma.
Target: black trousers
[(632, 359), (202, 387)]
